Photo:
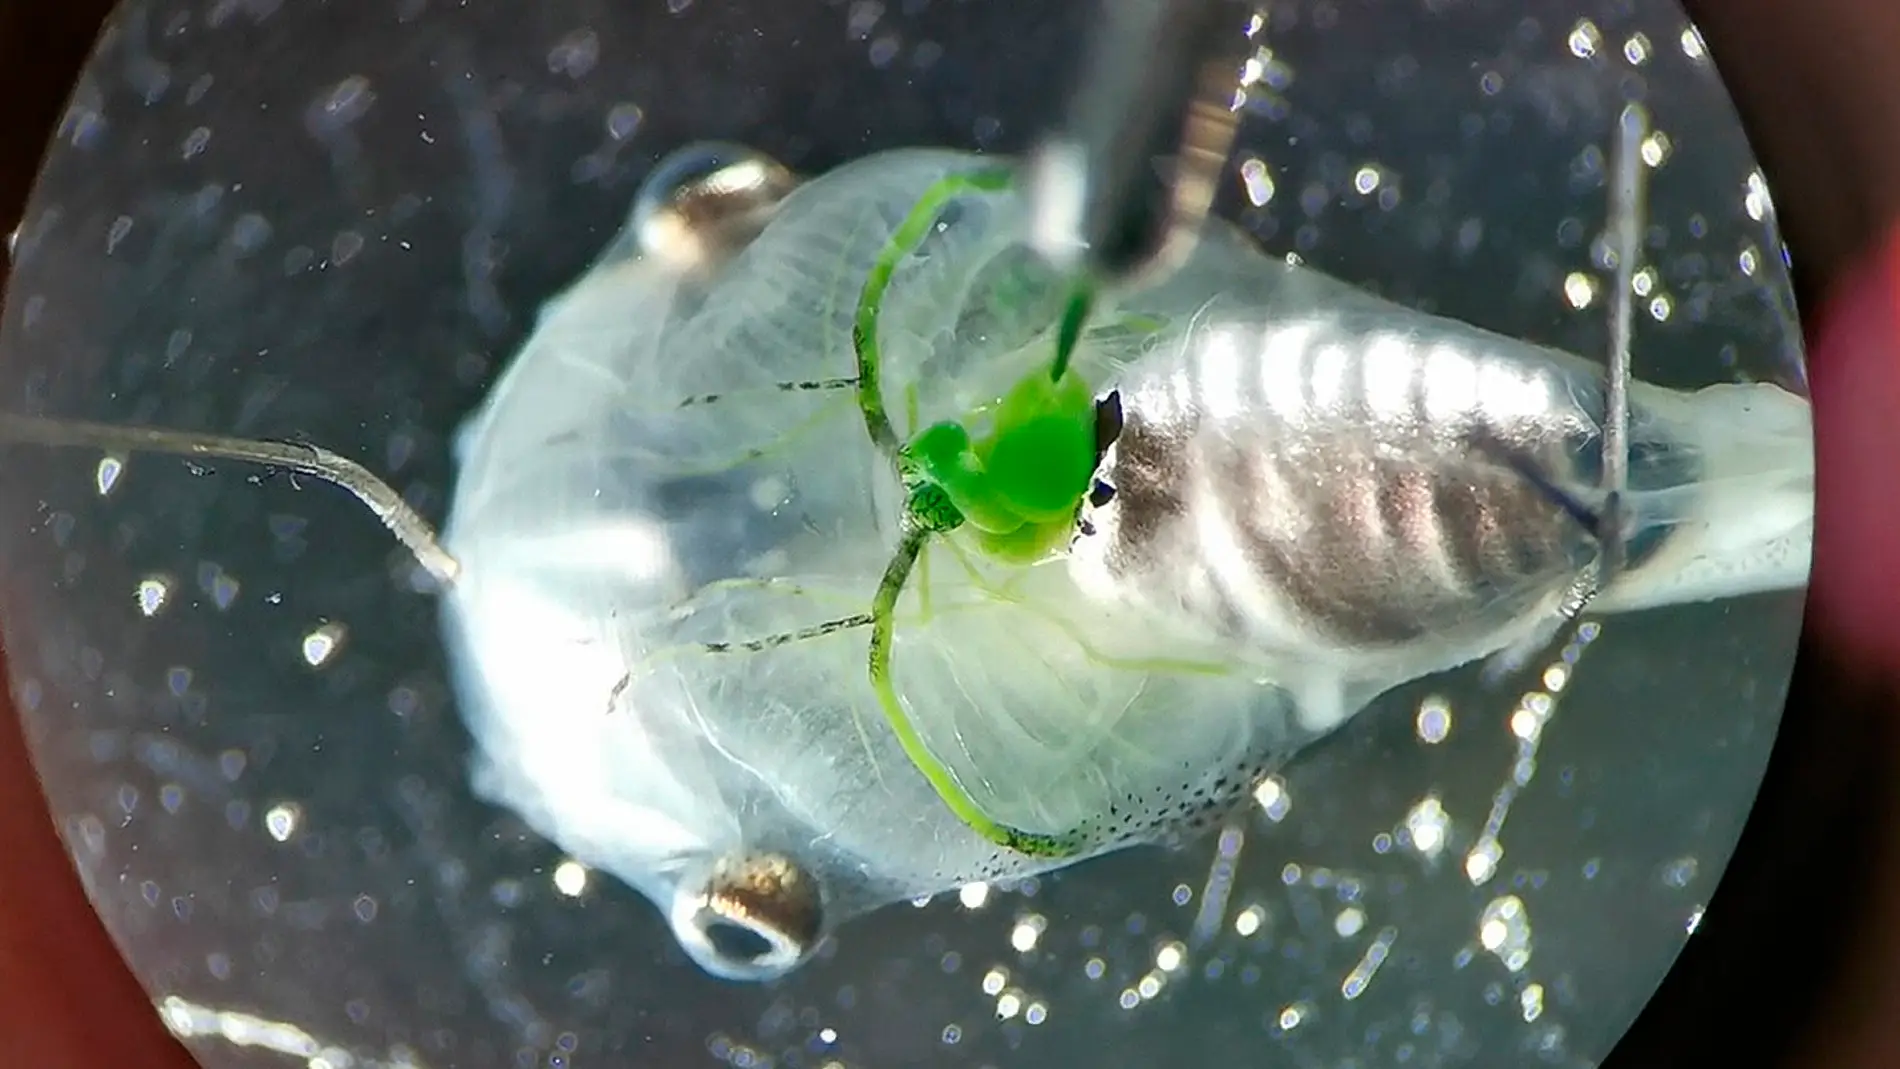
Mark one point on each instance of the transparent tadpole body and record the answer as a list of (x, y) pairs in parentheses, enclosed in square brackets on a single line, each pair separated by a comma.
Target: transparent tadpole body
[(606, 536), (1050, 688), (791, 571)]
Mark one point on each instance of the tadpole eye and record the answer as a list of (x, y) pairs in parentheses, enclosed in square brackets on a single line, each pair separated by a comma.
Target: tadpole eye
[(750, 917), (1108, 422)]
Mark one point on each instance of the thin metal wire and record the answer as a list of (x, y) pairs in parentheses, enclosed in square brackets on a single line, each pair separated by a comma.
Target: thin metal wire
[(1122, 186), (1627, 206), (415, 533)]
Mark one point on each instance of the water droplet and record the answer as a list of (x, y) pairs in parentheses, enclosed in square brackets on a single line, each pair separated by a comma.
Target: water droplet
[(575, 54), (344, 103), (106, 475), (1585, 39), (1504, 929), (1434, 720), (280, 820), (121, 229), (1257, 181), (570, 878), (195, 142), (322, 643)]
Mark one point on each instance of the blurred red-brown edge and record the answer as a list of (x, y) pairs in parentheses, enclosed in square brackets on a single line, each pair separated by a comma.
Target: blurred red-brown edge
[(66, 999), (1798, 960)]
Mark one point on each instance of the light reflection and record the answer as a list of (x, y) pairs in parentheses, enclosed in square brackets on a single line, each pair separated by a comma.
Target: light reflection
[(1585, 39), (995, 980), (1425, 826), (1692, 44), (194, 1021), (1531, 1001), (1257, 182), (1482, 862), (1433, 724), (281, 820), (570, 878), (1579, 289), (154, 593), (106, 476), (1504, 929), (1756, 200), (1027, 930), (321, 643), (1656, 148), (1367, 967), (1249, 920), (1680, 872), (1273, 799)]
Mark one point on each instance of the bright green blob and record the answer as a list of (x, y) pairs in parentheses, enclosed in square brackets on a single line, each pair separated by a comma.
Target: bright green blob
[(1042, 468), (1042, 452), (942, 455)]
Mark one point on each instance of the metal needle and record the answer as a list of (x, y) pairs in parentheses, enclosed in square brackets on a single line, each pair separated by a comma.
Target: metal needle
[(1121, 187)]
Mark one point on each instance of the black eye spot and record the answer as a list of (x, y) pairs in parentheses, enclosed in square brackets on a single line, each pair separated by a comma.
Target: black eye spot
[(1100, 494), (1108, 422)]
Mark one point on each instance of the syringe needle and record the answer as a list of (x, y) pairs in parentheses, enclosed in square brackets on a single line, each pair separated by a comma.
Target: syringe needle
[(1123, 185)]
